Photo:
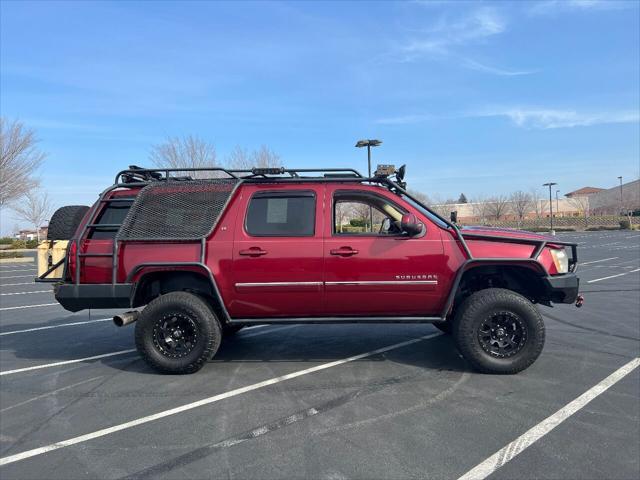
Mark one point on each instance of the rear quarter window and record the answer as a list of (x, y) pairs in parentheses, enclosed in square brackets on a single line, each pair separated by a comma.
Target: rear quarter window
[(281, 214), (113, 213)]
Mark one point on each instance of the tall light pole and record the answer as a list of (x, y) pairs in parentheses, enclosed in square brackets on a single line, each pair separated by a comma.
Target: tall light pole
[(621, 201), (368, 144), (557, 207), (550, 184)]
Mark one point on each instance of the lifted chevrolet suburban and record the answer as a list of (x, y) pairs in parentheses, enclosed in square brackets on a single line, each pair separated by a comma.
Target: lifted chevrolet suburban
[(208, 256)]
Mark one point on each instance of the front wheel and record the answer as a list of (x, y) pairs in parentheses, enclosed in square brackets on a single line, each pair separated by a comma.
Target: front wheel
[(499, 331), (177, 333)]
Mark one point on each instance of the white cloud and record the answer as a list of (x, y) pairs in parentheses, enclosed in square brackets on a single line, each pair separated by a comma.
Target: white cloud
[(552, 7), (447, 37), (550, 118), (528, 118), (481, 67), (445, 34)]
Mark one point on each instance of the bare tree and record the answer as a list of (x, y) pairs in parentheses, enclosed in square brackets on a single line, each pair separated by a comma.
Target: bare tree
[(421, 197), (35, 209), (441, 206), (498, 205), (521, 204), (630, 200), (19, 159), (540, 206), (185, 152), (581, 203), (264, 157), (481, 209)]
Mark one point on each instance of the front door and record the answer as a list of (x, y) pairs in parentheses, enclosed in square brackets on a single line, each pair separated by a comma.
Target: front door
[(371, 267), (277, 252)]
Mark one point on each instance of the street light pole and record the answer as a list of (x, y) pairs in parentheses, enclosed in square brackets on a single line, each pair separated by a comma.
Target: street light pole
[(557, 207), (621, 201), (369, 143), (550, 184)]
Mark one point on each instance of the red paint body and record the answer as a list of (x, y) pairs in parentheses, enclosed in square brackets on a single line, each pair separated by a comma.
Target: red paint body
[(320, 275)]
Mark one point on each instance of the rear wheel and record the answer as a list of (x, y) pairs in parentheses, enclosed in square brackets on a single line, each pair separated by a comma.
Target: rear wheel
[(499, 331), (177, 333), (64, 222)]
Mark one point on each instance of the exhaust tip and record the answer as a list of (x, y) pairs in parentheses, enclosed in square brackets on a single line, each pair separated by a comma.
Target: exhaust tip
[(125, 318)]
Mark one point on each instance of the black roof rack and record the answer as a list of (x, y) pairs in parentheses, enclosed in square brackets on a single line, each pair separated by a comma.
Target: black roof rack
[(137, 175)]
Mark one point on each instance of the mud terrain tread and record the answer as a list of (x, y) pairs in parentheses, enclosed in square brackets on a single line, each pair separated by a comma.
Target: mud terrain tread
[(471, 313), (65, 221), (198, 309)]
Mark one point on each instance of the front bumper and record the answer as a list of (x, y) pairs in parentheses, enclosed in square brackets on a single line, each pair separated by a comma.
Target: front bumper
[(562, 288), (79, 297)]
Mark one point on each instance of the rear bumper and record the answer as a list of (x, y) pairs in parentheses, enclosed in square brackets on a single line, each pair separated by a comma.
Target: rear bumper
[(563, 288), (79, 297)]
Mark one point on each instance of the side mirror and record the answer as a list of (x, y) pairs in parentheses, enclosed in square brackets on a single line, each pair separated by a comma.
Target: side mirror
[(454, 217), (410, 224)]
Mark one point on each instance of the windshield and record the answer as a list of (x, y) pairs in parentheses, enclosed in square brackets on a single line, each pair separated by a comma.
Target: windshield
[(424, 211)]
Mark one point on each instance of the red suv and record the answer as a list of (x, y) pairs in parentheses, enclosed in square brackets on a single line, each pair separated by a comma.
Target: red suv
[(209, 256)]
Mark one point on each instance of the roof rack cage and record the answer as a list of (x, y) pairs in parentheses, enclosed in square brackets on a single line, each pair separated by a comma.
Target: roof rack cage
[(143, 175)]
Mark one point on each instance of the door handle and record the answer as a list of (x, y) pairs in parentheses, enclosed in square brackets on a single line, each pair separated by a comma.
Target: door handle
[(344, 251), (253, 252)]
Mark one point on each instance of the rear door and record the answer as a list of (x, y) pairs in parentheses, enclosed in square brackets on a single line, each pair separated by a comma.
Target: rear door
[(277, 252), (371, 267)]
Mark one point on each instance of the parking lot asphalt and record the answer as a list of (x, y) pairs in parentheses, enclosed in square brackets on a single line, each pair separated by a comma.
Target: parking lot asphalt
[(325, 401)]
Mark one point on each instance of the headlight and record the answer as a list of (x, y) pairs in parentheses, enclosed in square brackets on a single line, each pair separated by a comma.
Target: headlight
[(560, 259)]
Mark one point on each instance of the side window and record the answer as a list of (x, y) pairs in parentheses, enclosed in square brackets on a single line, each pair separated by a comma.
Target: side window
[(113, 214), (358, 213), (281, 214)]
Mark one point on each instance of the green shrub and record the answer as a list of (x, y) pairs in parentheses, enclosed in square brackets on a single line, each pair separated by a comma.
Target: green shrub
[(6, 241), (10, 254), (625, 225), (18, 244), (31, 243), (358, 222)]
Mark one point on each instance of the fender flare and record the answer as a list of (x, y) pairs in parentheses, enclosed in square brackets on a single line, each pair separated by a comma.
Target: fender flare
[(133, 277), (472, 263)]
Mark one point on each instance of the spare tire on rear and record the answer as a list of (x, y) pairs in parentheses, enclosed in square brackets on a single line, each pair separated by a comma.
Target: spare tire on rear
[(64, 222)]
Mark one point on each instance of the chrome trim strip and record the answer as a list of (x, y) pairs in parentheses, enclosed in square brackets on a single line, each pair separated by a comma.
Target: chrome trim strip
[(317, 284), (278, 284), (384, 282)]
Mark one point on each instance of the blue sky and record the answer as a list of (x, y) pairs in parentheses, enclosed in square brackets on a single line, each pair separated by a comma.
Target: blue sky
[(476, 97)]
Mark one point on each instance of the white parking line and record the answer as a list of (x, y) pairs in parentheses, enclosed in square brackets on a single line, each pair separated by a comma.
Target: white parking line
[(16, 284), (29, 306), (18, 276), (20, 270), (52, 392), (66, 362), (264, 332), (614, 276), (205, 401), (507, 453), (49, 327), (597, 261), (26, 293)]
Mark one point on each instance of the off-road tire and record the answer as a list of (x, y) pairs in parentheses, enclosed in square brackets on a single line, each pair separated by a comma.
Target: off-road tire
[(64, 222), (188, 306), (496, 301)]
